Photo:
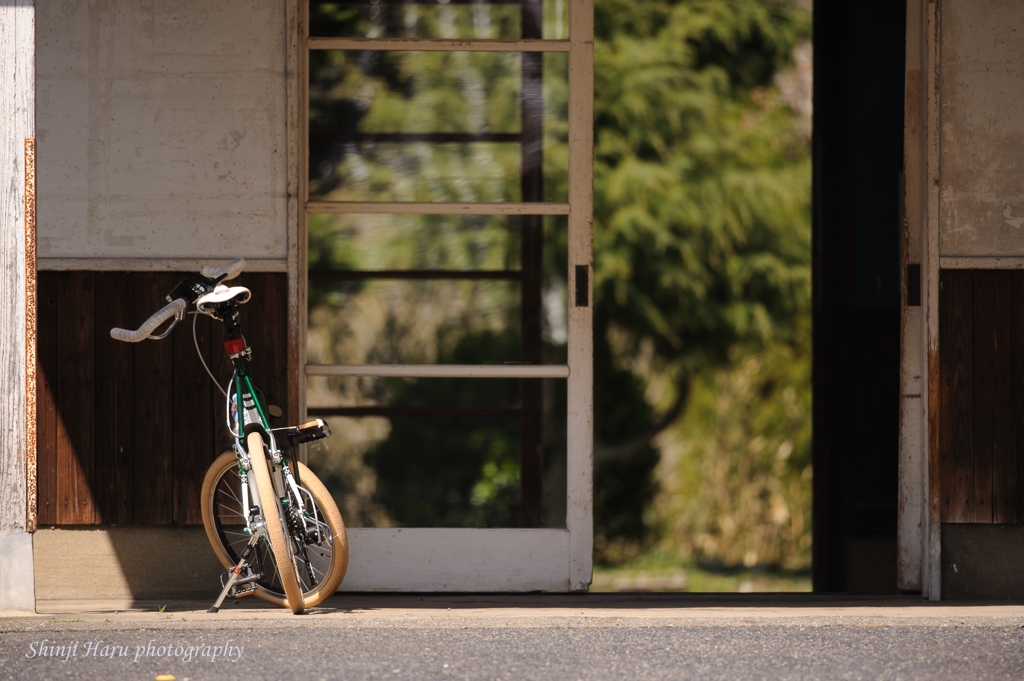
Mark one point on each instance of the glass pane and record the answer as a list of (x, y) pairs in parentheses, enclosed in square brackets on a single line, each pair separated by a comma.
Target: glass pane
[(470, 19), (385, 321), (340, 392), (374, 300), (409, 471), (438, 126), (414, 242)]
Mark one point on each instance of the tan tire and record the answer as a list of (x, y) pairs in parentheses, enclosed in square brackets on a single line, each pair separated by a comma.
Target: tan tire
[(328, 561), (223, 518), (276, 531)]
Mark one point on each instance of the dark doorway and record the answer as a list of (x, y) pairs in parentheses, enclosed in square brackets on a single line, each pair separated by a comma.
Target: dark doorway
[(857, 225)]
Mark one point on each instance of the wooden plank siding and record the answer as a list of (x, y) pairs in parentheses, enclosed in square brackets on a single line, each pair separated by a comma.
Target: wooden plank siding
[(126, 431), (981, 400), (76, 296), (46, 401)]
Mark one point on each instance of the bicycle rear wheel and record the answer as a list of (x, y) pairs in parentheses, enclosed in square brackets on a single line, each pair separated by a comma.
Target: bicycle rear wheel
[(224, 521)]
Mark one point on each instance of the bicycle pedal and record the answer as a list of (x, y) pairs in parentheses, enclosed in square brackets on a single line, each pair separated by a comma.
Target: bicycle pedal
[(242, 590), (245, 577)]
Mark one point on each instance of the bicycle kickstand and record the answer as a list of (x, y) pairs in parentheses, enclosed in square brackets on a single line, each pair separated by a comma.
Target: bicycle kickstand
[(233, 573)]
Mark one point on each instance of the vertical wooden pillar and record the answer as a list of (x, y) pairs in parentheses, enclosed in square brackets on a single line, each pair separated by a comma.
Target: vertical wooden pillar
[(580, 418), (295, 81), (531, 226), (17, 124), (931, 583), (913, 494), (919, 562)]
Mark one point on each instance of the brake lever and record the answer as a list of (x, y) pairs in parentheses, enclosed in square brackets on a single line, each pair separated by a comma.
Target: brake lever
[(192, 291)]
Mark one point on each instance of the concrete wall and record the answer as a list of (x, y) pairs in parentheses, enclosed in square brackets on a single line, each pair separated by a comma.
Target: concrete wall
[(125, 564), (982, 128), (162, 128)]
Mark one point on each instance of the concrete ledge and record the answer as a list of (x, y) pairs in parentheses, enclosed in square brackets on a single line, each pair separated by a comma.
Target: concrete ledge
[(125, 563), (513, 610), (17, 578)]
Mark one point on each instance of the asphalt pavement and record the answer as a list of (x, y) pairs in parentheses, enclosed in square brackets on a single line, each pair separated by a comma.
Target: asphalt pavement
[(594, 636)]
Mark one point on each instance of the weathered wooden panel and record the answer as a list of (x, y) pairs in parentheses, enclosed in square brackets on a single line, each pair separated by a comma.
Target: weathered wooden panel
[(75, 397), (984, 307), (1015, 505), (981, 443), (269, 364), (115, 398), (220, 366), (193, 419), (956, 396), (1001, 470), (46, 402), (153, 400), (131, 428)]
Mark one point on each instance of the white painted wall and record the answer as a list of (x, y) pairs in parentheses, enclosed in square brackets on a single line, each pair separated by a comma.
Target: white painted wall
[(982, 128), (162, 128)]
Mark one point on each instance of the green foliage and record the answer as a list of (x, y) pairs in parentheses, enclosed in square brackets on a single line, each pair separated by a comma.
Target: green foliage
[(701, 191), (439, 472), (702, 239), (736, 482)]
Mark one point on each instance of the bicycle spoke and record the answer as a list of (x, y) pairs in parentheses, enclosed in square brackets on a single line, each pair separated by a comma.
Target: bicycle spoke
[(229, 509)]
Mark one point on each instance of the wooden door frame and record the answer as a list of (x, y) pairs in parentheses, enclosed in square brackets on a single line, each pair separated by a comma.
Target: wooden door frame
[(438, 559)]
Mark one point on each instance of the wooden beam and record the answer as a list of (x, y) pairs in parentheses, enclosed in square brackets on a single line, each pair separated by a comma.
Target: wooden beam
[(931, 586), (302, 235), (912, 491), (580, 391), (438, 208), (441, 370), (295, 81), (436, 45), (153, 264), (982, 263)]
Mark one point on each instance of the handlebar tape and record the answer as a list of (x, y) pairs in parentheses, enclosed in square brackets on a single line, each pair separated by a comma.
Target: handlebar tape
[(232, 270), (149, 326)]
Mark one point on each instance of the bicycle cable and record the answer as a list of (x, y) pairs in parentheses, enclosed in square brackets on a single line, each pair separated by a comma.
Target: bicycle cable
[(195, 339), (227, 407)]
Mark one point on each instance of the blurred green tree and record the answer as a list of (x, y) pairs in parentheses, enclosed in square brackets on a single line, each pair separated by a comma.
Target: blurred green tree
[(702, 232)]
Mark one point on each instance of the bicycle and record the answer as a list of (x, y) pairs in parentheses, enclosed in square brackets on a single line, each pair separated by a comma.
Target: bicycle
[(291, 551)]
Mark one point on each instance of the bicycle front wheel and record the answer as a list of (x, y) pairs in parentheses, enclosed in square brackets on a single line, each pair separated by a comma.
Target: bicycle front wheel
[(223, 517), (277, 531)]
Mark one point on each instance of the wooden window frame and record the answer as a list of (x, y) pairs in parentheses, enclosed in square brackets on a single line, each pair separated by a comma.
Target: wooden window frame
[(440, 559)]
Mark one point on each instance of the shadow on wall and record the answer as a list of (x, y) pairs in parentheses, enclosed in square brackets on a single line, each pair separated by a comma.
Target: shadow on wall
[(125, 563), (126, 431)]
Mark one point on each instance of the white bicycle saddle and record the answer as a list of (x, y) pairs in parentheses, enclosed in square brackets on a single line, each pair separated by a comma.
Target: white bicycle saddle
[(222, 294)]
